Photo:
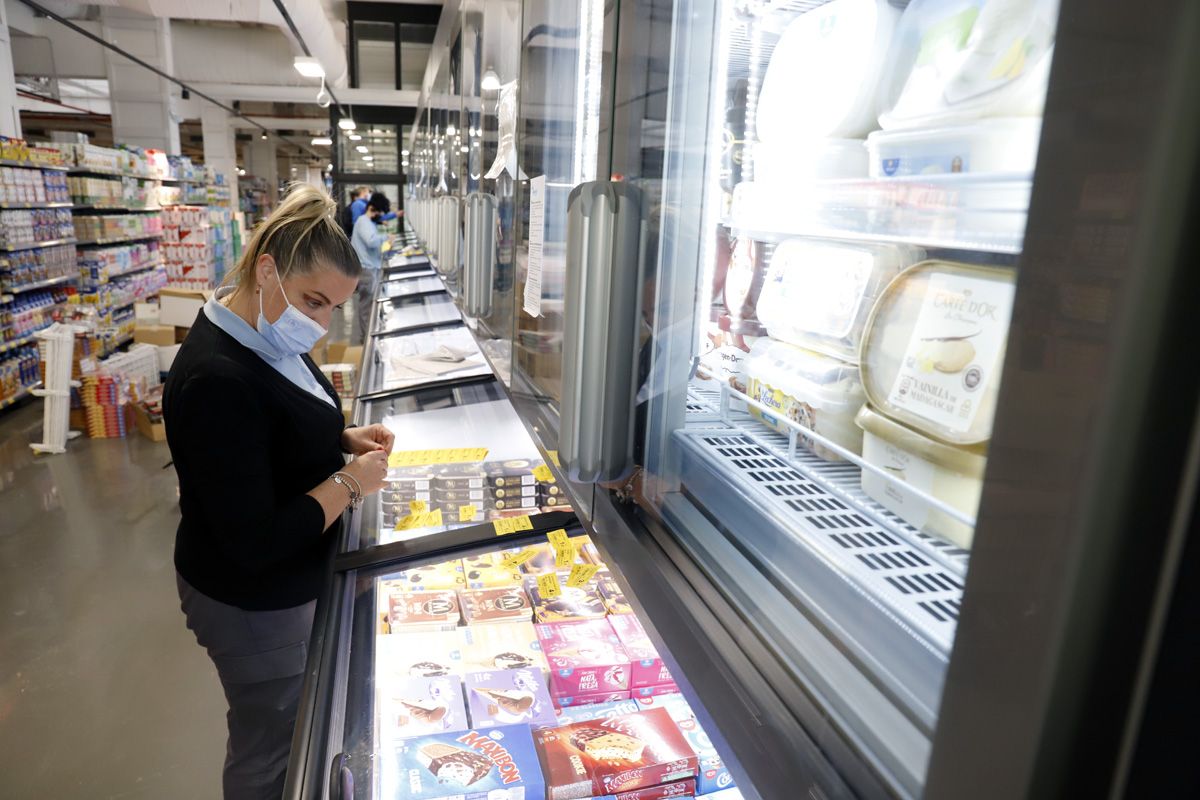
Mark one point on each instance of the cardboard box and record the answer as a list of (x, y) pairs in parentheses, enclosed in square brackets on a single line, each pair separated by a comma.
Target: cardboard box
[(341, 352), (160, 335), (646, 668), (146, 313), (412, 706), (179, 307), (713, 776), (509, 697), (475, 764), (585, 657), (154, 431)]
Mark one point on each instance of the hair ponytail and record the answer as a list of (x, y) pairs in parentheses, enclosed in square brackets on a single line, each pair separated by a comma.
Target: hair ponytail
[(301, 235)]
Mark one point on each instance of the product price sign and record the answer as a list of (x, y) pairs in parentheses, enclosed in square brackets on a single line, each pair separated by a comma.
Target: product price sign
[(427, 519), (548, 585), (543, 474), (518, 558), (466, 513), (512, 525), (417, 506), (419, 458), (564, 550), (581, 574)]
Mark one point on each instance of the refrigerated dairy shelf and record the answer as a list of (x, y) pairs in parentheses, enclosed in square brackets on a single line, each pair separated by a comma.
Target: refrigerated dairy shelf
[(43, 284), (11, 248)]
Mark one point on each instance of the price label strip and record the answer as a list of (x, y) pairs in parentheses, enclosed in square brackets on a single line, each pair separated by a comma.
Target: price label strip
[(564, 550), (466, 513), (518, 558), (581, 574), (553, 457), (417, 506), (543, 474), (419, 458), (427, 519), (548, 585), (512, 525)]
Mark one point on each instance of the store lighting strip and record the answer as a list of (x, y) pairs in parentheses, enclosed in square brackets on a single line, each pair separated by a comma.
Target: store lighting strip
[(587, 90)]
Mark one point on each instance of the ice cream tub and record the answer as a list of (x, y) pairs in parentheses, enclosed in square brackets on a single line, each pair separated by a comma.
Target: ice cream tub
[(994, 145), (933, 349), (585, 657), (820, 393), (953, 474)]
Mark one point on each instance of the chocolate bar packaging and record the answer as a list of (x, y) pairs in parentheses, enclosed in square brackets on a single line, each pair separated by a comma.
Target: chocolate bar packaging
[(501, 492), (429, 654), (445, 575), (712, 775), (509, 697), (489, 606), (572, 603), (645, 665), (610, 756), (585, 657), (475, 764), (505, 645), (614, 598), (417, 611), (412, 706), (487, 570)]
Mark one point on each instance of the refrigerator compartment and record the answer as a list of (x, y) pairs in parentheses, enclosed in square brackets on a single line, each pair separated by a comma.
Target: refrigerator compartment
[(994, 145), (727, 346), (413, 312), (392, 289), (977, 212), (790, 162), (406, 361)]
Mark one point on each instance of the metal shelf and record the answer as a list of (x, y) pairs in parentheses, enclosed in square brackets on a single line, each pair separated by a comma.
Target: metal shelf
[(15, 343), (110, 173), (109, 242), (13, 248), (8, 162), (116, 209), (133, 269), (35, 205), (21, 393), (29, 287)]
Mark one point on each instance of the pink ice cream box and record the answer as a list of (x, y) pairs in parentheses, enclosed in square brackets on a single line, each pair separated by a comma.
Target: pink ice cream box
[(585, 658), (646, 667)]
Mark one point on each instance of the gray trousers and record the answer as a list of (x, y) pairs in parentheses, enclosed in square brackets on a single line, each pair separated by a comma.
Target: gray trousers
[(364, 302), (260, 657)]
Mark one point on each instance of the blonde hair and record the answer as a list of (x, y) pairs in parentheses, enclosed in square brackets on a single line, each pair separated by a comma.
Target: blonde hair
[(301, 235)]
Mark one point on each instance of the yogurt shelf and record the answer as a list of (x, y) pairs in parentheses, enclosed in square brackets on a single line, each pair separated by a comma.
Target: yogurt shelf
[(7, 204), (35, 245), (118, 240), (43, 284)]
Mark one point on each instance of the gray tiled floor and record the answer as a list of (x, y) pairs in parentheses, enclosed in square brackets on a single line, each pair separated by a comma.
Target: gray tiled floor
[(103, 691)]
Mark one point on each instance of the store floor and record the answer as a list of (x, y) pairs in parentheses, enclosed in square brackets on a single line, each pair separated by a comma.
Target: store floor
[(103, 691)]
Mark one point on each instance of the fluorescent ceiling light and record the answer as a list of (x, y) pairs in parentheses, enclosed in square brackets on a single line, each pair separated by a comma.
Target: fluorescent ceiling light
[(329, 166), (491, 81), (403, 152), (346, 124), (308, 67), (451, 130), (354, 137), (322, 141), (362, 148), (464, 149), (368, 158)]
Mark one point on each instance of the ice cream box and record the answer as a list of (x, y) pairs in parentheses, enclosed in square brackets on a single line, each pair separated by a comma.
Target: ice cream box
[(505, 645), (464, 765), (509, 697), (459, 476), (589, 699), (589, 553), (510, 503), (409, 478), (462, 496), (722, 794), (502, 492), (543, 559), (489, 606), (413, 611), (572, 603), (428, 654), (645, 665), (713, 775), (614, 597), (585, 657), (655, 690), (663, 791), (412, 706), (582, 713), (619, 754), (446, 575), (487, 570), (516, 472)]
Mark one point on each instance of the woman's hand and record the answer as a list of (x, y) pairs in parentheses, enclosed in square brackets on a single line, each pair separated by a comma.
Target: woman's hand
[(370, 470), (357, 441)]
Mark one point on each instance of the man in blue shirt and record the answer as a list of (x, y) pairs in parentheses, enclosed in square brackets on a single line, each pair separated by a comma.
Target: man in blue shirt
[(367, 240), (361, 197)]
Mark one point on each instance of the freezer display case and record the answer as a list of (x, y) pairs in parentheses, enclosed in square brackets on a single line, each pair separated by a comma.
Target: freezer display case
[(407, 284), (436, 355), (406, 312)]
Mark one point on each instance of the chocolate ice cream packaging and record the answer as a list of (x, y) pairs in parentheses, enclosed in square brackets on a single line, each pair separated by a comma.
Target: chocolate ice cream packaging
[(610, 590), (489, 606), (412, 706), (444, 575), (572, 603), (509, 697), (614, 755), (487, 570), (408, 612), (646, 667), (713, 775), (474, 764), (585, 657), (505, 645)]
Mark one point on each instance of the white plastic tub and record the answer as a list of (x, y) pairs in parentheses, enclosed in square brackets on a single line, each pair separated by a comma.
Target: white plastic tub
[(819, 392), (1006, 145), (819, 292), (953, 475)]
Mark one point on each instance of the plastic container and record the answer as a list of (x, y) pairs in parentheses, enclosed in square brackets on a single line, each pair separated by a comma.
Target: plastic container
[(819, 392), (824, 72), (729, 343), (952, 474), (933, 349), (959, 60), (1007, 145), (818, 293), (744, 279), (790, 162)]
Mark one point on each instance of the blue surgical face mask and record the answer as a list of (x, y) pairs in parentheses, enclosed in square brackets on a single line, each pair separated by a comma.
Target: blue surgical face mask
[(294, 333)]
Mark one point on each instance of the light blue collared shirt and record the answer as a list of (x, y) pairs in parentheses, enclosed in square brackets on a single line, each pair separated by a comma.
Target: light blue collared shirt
[(291, 367)]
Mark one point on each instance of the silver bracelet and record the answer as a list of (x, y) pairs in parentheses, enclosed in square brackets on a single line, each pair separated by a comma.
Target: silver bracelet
[(343, 479)]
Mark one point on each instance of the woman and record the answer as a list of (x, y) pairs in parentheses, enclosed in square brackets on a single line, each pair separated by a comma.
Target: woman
[(258, 437), (368, 241)]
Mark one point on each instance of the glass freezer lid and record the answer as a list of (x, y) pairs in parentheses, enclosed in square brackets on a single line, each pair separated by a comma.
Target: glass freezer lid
[(486, 467), (410, 285), (463, 676), (405, 361), (417, 311)]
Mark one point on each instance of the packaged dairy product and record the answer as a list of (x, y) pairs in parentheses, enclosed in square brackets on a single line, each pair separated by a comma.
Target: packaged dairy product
[(933, 348), (1009, 144), (822, 77), (958, 60), (952, 474), (789, 162), (821, 393), (743, 282), (819, 292)]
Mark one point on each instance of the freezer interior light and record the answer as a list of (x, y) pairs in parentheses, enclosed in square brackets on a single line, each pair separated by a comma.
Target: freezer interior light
[(308, 67), (362, 148), (322, 141), (354, 137), (347, 124), (451, 130), (491, 81), (368, 158)]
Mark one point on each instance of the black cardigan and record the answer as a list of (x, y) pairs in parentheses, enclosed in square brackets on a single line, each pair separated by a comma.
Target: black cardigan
[(248, 445)]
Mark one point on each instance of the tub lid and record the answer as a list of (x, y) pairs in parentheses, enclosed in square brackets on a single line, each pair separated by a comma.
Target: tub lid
[(969, 460)]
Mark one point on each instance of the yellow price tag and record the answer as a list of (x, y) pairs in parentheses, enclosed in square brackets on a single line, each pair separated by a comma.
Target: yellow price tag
[(548, 586), (581, 574), (512, 525), (564, 550), (466, 513), (518, 558), (543, 474), (553, 457), (417, 506), (434, 518), (417, 458), (407, 522), (426, 519)]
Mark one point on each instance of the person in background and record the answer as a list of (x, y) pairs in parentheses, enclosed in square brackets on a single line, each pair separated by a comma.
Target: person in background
[(367, 241), (259, 444), (351, 213)]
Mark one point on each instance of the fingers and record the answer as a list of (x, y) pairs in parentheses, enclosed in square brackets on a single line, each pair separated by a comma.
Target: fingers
[(383, 436)]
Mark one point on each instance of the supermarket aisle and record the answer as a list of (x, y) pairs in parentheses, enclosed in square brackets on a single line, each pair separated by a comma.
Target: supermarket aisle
[(103, 691)]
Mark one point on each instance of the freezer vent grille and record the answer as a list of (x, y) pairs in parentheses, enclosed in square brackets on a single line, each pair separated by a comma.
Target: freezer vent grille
[(903, 576)]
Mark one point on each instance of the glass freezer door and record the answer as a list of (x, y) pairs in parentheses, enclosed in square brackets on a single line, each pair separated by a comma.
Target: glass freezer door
[(844, 199)]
